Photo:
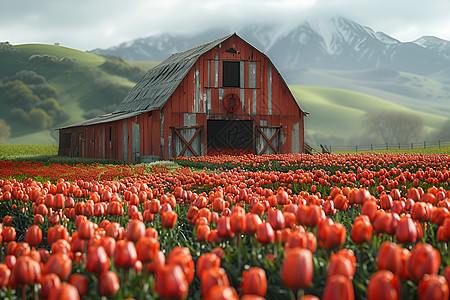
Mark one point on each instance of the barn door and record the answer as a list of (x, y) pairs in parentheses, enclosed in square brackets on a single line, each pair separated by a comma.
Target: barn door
[(186, 141), (268, 139), (136, 138)]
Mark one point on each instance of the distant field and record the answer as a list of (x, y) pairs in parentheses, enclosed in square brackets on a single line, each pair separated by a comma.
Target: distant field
[(337, 115), (27, 150), (429, 150)]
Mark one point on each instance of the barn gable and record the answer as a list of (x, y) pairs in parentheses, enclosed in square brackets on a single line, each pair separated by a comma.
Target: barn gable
[(195, 103)]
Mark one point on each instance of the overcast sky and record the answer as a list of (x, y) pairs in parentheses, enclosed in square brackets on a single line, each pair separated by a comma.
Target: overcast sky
[(89, 24)]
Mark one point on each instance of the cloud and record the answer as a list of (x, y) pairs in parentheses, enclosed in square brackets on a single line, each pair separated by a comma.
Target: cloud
[(86, 24)]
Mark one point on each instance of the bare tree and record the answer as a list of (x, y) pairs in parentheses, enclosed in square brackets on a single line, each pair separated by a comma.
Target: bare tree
[(394, 126), (5, 131)]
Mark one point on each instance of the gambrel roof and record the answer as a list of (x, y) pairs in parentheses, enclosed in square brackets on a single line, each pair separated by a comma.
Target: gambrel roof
[(160, 82)]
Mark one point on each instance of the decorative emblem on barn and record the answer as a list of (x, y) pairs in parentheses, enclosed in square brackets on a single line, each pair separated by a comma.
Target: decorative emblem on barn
[(231, 102)]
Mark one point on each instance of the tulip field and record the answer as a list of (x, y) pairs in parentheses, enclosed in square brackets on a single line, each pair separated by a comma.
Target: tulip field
[(287, 226)]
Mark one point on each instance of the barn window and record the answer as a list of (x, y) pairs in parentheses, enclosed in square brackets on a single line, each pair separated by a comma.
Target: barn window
[(231, 74), (65, 140)]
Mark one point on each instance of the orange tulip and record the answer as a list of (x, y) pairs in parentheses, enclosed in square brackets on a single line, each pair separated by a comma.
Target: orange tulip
[(433, 287), (265, 233), (361, 229), (297, 268), (406, 231), (97, 260), (64, 292), (389, 257), (254, 281), (125, 255), (171, 283), (207, 261), (212, 277), (424, 259), (384, 285), (338, 287), (60, 264), (108, 284)]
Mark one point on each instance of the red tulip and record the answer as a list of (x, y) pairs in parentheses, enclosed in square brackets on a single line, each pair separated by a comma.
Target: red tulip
[(60, 264), (384, 285), (218, 292), (275, 218), (33, 236), (265, 233), (254, 281), (135, 230), (340, 264), (212, 277), (26, 271), (125, 255), (297, 268), (108, 283), (389, 257), (424, 259), (433, 287), (63, 292), (157, 263), (9, 234), (168, 219), (97, 260), (251, 223), (361, 230), (207, 261), (330, 234), (5, 274), (406, 231), (49, 282), (80, 282), (338, 287), (147, 249), (182, 256), (171, 283)]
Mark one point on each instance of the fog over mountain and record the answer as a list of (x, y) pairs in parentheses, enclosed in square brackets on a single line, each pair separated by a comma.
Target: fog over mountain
[(332, 43)]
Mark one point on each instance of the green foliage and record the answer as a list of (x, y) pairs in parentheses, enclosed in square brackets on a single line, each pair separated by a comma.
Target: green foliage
[(116, 65), (17, 93), (39, 118)]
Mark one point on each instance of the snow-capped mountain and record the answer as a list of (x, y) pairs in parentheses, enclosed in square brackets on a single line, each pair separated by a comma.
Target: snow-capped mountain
[(333, 43)]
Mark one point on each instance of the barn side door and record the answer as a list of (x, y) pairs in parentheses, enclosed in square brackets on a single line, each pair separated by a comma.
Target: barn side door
[(268, 139), (136, 138), (186, 141)]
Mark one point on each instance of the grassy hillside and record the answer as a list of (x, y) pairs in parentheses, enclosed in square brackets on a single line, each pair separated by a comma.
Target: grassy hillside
[(428, 94), (337, 116), (84, 86)]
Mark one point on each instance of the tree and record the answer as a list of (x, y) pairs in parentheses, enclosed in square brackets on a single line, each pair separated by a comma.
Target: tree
[(39, 118), (5, 131), (394, 126)]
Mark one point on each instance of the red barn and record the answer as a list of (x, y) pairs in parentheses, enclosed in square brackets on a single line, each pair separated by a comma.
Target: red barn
[(222, 96)]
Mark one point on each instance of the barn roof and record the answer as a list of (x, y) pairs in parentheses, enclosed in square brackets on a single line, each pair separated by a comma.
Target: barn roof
[(156, 87)]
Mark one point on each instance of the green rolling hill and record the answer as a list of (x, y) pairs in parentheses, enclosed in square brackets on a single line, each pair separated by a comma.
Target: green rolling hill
[(85, 85)]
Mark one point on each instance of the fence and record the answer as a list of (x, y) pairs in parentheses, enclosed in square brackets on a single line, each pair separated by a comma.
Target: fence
[(372, 147)]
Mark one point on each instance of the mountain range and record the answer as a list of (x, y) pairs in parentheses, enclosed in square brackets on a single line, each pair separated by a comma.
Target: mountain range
[(333, 44)]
